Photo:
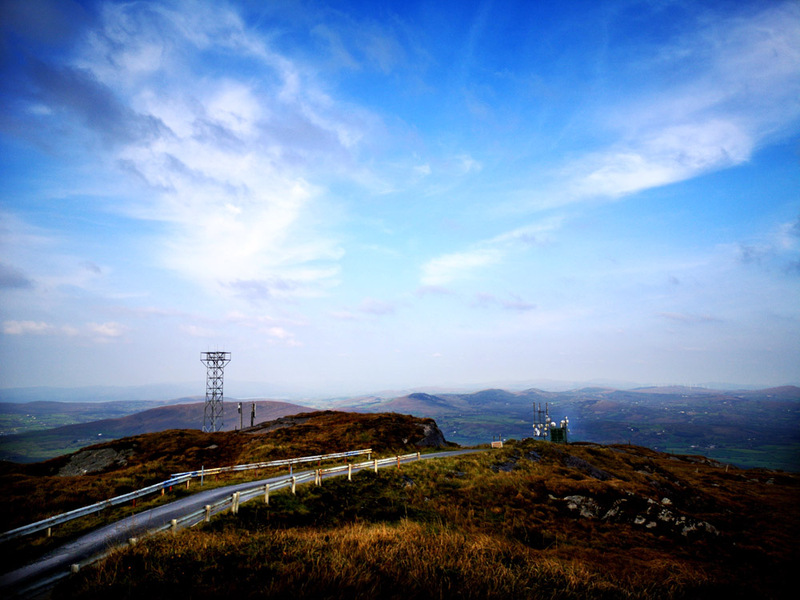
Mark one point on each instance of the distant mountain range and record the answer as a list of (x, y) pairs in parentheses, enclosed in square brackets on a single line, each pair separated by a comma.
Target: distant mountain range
[(249, 389), (745, 427), (47, 443)]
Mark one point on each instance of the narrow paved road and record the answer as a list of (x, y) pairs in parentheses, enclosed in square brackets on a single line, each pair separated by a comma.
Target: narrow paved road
[(57, 563)]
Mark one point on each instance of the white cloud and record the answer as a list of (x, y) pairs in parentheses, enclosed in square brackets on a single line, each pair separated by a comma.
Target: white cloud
[(27, 327), (274, 329), (227, 155), (739, 88), (447, 268), (667, 156), (778, 247), (344, 315), (369, 308), (95, 331), (423, 170), (197, 331), (279, 332), (376, 307), (282, 335), (515, 303), (107, 330), (688, 319), (469, 164)]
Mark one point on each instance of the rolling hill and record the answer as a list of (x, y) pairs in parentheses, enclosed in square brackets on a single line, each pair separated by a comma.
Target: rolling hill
[(40, 445), (32, 491), (531, 520), (22, 417), (748, 428)]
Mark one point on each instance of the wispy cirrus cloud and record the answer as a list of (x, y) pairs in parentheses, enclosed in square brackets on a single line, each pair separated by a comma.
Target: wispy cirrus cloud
[(225, 155), (457, 265), (373, 306), (369, 308), (13, 278), (105, 331), (779, 248), (99, 332), (514, 303), (450, 267), (659, 158), (71, 91), (689, 319), (29, 327), (736, 87), (271, 329)]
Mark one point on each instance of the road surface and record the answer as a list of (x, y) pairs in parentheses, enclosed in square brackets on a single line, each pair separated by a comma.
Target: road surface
[(39, 576)]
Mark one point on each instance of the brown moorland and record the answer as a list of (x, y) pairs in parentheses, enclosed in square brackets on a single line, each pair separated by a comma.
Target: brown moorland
[(533, 520), (32, 492), (35, 491)]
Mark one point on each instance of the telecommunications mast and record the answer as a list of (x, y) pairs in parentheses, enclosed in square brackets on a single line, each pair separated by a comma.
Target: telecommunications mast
[(541, 421), (544, 428), (215, 364)]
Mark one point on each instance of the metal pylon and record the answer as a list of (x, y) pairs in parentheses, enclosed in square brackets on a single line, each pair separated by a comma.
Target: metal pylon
[(215, 364)]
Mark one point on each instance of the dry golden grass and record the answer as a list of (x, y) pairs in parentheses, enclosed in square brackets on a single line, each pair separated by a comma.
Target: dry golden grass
[(362, 560), (462, 528), (491, 525), (33, 492)]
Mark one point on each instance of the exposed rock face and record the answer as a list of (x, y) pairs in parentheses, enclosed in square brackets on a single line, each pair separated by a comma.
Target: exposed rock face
[(512, 462), (635, 510), (280, 423), (504, 467), (586, 467), (588, 508), (533, 456), (93, 461), (432, 436)]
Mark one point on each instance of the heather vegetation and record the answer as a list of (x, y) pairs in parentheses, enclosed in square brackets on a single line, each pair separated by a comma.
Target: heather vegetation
[(532, 520), (38, 431), (37, 491)]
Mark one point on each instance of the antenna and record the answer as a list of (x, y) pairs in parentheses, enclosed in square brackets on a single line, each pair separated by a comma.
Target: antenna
[(215, 364), (545, 428), (541, 421)]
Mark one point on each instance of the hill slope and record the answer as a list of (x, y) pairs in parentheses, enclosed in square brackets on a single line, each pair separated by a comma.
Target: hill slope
[(22, 417), (748, 428), (533, 520), (41, 445), (35, 491)]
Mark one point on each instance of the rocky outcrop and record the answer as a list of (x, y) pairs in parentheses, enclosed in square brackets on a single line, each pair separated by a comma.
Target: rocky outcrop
[(586, 467), (94, 461), (280, 423), (432, 436), (634, 510)]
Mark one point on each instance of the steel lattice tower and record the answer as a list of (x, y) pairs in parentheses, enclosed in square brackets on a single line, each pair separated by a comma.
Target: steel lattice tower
[(215, 364)]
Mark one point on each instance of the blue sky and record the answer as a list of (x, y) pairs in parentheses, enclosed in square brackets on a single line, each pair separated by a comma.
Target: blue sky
[(353, 196)]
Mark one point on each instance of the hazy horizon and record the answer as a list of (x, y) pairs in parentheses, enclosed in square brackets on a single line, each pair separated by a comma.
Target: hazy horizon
[(165, 392), (379, 196)]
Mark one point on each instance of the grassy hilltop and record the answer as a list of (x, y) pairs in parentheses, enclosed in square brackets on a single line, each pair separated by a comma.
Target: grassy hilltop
[(532, 520)]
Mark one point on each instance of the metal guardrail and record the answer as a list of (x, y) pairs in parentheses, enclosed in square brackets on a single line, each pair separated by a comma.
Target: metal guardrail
[(87, 510), (263, 490), (274, 463), (233, 502), (175, 479)]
